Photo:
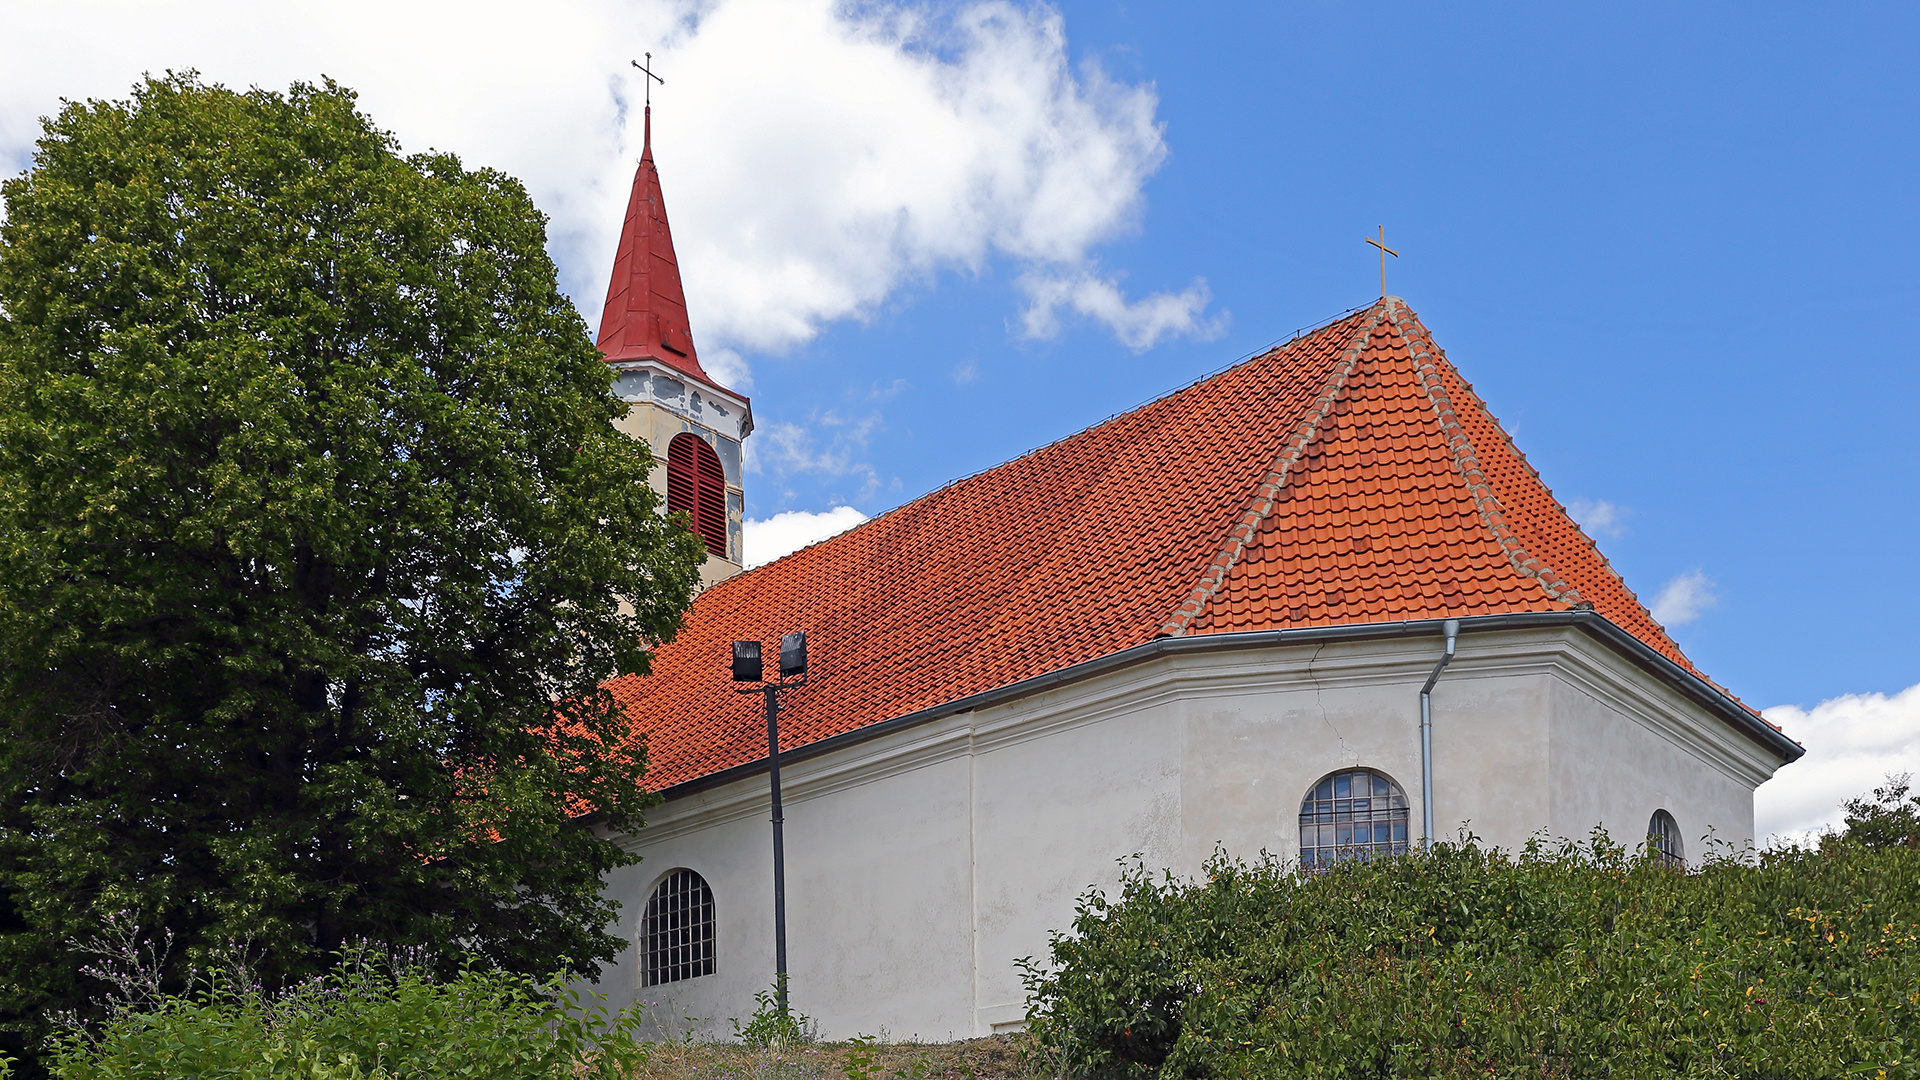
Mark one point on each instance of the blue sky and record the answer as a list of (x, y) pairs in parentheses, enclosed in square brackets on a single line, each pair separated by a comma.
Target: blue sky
[(1669, 251), (1667, 243)]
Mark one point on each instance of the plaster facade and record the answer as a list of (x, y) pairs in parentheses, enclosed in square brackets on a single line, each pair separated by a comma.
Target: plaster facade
[(924, 860), (662, 403)]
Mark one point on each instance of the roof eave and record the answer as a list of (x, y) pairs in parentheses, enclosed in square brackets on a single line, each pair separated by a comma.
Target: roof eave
[(1638, 652)]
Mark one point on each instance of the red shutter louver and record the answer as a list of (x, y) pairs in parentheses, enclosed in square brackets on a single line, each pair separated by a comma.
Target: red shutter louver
[(712, 523), (697, 487), (682, 476)]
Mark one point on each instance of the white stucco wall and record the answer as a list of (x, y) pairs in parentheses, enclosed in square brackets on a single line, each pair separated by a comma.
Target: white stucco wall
[(1625, 745), (921, 864)]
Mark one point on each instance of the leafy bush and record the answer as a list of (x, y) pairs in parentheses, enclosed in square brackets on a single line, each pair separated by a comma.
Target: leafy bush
[(1565, 961), (362, 1023), (770, 1026)]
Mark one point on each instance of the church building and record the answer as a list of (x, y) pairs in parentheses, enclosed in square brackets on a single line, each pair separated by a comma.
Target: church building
[(1218, 620)]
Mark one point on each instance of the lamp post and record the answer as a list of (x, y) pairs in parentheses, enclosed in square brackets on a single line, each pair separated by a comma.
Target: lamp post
[(747, 668)]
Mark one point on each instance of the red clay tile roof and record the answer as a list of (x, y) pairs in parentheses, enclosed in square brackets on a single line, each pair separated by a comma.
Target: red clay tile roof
[(1349, 476)]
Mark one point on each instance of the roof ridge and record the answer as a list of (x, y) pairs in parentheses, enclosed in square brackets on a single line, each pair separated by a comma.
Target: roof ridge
[(1092, 543), (1465, 459), (1526, 463), (1267, 495)]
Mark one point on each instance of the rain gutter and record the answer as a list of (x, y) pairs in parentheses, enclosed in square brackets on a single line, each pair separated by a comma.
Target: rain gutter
[(1597, 626)]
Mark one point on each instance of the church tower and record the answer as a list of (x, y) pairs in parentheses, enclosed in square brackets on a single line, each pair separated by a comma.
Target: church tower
[(694, 425)]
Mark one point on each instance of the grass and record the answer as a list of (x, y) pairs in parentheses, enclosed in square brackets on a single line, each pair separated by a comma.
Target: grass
[(997, 1057)]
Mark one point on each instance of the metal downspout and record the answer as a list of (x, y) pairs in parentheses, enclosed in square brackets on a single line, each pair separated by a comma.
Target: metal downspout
[(1452, 629)]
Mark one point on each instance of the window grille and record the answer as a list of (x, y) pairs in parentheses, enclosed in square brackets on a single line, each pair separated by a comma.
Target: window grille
[(1663, 836), (697, 487), (1354, 814), (676, 935)]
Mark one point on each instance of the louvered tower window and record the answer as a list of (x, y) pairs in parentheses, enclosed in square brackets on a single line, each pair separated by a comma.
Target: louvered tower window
[(676, 935), (1663, 833), (697, 487), (1357, 813)]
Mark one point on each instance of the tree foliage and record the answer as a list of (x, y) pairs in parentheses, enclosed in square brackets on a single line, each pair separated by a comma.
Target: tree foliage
[(1891, 817), (311, 506)]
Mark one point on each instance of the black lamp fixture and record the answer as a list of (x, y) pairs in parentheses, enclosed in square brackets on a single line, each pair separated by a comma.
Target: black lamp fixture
[(793, 656), (746, 661), (748, 668)]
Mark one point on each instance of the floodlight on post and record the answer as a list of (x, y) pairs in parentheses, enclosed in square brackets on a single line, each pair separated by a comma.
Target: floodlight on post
[(746, 661), (748, 668), (793, 656)]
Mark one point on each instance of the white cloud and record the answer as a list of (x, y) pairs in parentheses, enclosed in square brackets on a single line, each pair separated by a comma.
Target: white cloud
[(1684, 599), (533, 96), (1853, 743), (1598, 516), (729, 368), (1139, 324), (910, 144), (816, 155), (783, 534), (829, 444)]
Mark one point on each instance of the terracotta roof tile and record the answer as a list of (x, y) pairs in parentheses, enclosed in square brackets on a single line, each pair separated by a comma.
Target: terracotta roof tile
[(1348, 476)]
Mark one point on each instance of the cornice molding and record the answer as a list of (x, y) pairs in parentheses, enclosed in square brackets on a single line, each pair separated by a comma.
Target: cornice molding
[(1152, 674)]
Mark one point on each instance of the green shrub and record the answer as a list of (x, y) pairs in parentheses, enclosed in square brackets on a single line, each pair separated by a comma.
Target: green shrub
[(359, 1024), (1589, 961), (772, 1027)]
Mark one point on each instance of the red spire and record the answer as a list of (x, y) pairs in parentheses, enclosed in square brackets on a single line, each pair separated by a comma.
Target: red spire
[(646, 312)]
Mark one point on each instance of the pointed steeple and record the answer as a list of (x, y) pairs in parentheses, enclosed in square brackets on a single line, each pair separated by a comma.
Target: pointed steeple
[(646, 312)]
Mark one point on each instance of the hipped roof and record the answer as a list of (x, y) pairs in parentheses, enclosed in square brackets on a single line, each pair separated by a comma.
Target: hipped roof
[(1350, 476)]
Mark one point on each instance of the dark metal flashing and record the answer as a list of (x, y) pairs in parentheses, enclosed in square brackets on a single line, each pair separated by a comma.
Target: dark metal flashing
[(1628, 646)]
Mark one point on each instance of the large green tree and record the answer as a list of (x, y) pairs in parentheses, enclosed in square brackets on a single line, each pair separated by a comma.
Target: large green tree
[(311, 508)]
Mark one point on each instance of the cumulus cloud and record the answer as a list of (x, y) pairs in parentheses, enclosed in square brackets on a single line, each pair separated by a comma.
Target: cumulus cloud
[(1853, 743), (1139, 324), (1598, 516), (729, 368), (935, 143), (828, 444), (1684, 599), (816, 156), (783, 534), (541, 98)]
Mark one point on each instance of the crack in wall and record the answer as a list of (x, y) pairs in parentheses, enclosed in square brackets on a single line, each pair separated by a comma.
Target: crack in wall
[(1319, 699)]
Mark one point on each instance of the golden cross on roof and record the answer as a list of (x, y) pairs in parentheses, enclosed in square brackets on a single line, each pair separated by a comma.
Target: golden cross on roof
[(1384, 252), (648, 69)]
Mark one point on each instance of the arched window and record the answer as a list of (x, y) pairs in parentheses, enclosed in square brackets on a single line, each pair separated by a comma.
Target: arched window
[(697, 487), (1663, 833), (1356, 813), (676, 935)]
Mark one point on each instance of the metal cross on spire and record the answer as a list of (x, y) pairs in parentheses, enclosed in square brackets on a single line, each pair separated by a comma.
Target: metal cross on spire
[(1384, 252), (647, 68)]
